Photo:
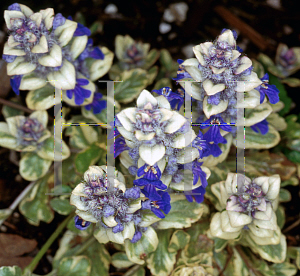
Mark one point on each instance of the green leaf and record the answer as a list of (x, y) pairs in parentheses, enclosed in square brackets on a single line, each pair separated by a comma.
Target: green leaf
[(183, 213), (5, 213), (136, 271), (258, 68), (292, 82), (178, 241), (292, 155), (87, 157), (265, 60), (138, 251), (161, 261), (33, 167), (10, 271), (69, 174), (47, 149), (282, 94), (284, 269), (74, 266), (272, 253), (152, 73), (134, 81), (61, 206), (120, 260), (8, 111), (276, 71), (82, 135), (100, 259), (284, 195), (41, 99), (280, 216), (7, 140), (220, 244), (35, 206), (255, 140), (164, 82), (166, 59), (151, 58), (96, 27)]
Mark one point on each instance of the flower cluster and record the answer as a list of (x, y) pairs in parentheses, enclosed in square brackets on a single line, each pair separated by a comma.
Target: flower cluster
[(25, 133), (154, 145), (46, 47), (131, 54), (113, 207), (250, 207), (221, 71)]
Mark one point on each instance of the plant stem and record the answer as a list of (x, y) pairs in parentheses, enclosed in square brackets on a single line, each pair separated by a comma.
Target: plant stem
[(16, 202), (85, 245), (295, 224), (48, 243), (15, 105)]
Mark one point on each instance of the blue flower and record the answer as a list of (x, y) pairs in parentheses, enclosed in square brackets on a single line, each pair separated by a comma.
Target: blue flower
[(90, 51), (15, 82), (118, 228), (197, 194), (181, 73), (14, 7), (58, 20), (201, 144), (9, 58), (199, 174), (79, 93), (213, 134), (80, 223), (119, 146), (150, 192), (144, 181), (97, 104), (149, 172), (172, 97), (158, 205), (80, 30), (268, 89), (136, 237), (262, 126), (133, 193)]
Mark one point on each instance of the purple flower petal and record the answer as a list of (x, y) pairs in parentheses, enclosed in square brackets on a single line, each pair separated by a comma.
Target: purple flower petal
[(81, 30)]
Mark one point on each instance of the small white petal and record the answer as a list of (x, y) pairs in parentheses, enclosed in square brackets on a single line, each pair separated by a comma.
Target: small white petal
[(8, 15), (245, 64), (31, 83), (126, 134), (53, 59), (238, 219), (130, 113), (110, 221), (65, 78), (166, 114), (128, 231), (134, 206), (86, 216), (78, 191), (225, 224), (11, 51), (191, 66), (211, 88), (183, 140), (210, 110), (37, 18), (259, 232), (188, 155), (197, 51), (126, 159), (94, 172), (48, 16), (27, 11), (175, 123), (205, 47), (235, 54), (151, 155), (228, 37), (78, 45), (42, 47), (217, 70), (65, 32), (267, 224), (126, 123), (163, 102), (248, 83), (11, 42), (20, 67), (144, 137), (274, 187), (251, 100), (144, 98), (78, 203), (266, 215)]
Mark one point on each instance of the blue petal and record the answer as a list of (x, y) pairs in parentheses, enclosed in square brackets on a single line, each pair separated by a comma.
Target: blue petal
[(157, 212), (136, 237), (150, 192), (262, 126), (80, 223), (15, 82), (82, 82), (9, 58), (79, 98), (96, 53), (99, 106), (14, 7), (272, 93), (70, 93), (82, 30), (58, 20)]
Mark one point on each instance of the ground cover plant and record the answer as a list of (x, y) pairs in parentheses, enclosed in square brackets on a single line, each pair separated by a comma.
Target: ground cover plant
[(147, 165)]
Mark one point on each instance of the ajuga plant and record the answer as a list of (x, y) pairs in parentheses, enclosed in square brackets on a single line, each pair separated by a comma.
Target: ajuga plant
[(173, 203)]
